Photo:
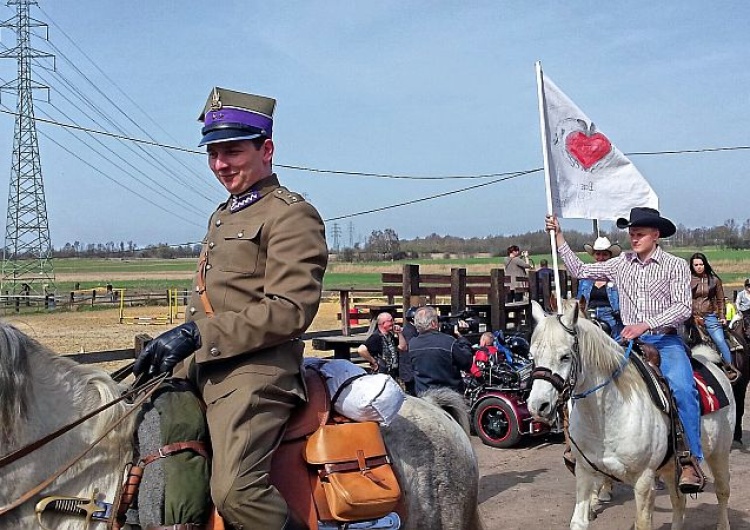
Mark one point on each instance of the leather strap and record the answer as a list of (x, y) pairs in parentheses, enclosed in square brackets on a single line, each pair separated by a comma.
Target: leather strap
[(174, 448), (181, 526), (201, 281), (353, 466)]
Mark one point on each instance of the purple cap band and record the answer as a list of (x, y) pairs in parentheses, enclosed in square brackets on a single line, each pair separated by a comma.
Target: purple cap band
[(227, 115)]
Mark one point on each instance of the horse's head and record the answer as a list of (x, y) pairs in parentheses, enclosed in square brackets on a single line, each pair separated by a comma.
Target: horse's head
[(555, 350)]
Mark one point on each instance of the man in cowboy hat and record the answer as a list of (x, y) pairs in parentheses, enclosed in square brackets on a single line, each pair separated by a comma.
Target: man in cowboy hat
[(256, 291), (655, 298), (601, 296)]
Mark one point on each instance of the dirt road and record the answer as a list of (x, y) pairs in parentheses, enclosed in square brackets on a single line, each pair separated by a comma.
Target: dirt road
[(529, 488)]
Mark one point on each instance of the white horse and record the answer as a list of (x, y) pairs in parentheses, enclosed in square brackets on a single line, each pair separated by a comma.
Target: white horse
[(40, 391), (617, 427)]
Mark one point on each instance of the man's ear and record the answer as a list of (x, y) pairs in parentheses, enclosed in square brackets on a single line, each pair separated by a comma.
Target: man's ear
[(268, 149)]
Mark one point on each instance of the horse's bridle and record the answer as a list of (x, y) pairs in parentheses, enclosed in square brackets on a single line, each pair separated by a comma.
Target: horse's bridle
[(565, 386)]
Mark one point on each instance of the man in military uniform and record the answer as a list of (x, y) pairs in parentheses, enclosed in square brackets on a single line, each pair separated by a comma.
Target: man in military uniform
[(256, 291)]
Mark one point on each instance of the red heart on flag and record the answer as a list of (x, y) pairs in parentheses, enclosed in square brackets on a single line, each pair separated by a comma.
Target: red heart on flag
[(587, 150)]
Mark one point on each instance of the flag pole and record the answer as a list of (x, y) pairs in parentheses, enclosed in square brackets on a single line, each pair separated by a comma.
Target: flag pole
[(547, 180)]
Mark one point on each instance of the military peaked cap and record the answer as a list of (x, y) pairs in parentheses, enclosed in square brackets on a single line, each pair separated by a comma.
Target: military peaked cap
[(230, 115)]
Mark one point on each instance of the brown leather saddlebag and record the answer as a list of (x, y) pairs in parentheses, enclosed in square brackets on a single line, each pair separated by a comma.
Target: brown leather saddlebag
[(354, 470)]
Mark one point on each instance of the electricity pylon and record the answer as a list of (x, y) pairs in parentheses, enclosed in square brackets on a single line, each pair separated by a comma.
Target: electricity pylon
[(27, 254)]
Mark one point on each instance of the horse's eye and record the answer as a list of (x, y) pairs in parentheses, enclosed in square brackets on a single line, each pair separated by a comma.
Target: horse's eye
[(565, 358)]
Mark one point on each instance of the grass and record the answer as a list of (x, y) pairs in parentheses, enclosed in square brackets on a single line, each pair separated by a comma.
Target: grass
[(146, 285), (732, 265)]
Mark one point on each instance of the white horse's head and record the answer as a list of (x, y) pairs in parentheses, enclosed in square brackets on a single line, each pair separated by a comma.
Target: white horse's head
[(568, 351), (555, 362)]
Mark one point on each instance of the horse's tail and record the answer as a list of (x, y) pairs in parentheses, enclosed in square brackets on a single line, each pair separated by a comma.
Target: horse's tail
[(14, 381), (451, 402)]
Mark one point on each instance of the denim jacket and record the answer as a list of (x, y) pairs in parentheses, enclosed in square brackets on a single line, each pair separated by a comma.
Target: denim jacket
[(586, 285)]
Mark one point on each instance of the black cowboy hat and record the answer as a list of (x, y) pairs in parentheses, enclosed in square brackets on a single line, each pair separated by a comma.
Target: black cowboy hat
[(648, 217)]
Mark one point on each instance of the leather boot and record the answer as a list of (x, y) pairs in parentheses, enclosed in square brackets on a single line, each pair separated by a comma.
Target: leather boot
[(730, 371), (692, 479), (293, 522)]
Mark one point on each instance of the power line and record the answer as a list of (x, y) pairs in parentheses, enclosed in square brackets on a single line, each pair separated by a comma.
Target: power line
[(431, 197), (366, 174), (191, 171)]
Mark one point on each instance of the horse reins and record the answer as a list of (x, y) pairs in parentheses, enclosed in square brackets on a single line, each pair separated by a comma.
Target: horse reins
[(33, 446), (151, 387)]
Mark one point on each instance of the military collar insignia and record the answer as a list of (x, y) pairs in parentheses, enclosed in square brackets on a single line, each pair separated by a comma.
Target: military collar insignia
[(243, 201), (215, 100)]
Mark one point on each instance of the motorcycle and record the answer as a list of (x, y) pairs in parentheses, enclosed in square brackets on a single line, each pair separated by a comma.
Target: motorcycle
[(496, 392)]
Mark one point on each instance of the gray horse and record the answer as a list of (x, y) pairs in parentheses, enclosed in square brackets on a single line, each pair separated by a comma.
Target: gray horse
[(41, 391)]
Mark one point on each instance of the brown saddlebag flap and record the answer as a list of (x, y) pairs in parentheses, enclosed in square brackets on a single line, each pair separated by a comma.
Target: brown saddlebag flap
[(354, 470)]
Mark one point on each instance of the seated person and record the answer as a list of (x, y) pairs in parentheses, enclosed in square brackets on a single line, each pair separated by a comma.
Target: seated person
[(382, 348), (437, 358), (484, 354), (602, 300)]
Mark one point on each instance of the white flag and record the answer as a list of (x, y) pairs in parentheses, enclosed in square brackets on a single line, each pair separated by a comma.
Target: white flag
[(589, 177)]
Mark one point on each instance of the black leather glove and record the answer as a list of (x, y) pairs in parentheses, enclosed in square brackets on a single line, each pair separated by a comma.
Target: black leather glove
[(165, 351)]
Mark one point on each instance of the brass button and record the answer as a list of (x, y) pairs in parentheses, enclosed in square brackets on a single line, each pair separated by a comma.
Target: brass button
[(193, 310), (218, 222), (208, 266), (197, 289), (211, 244), (240, 234), (214, 352)]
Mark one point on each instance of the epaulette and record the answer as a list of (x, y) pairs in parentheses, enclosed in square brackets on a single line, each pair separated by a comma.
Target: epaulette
[(287, 196)]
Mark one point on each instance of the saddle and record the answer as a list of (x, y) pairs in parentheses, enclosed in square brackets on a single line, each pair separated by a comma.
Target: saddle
[(316, 461), (712, 396)]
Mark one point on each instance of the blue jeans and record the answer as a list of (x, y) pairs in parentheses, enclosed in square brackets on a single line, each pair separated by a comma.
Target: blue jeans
[(675, 365), (716, 331), (606, 314)]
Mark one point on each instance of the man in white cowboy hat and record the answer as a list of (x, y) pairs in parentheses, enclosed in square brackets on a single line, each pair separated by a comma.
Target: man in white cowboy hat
[(655, 298), (602, 299)]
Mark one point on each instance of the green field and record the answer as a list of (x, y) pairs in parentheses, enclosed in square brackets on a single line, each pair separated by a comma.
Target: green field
[(100, 266), (732, 265)]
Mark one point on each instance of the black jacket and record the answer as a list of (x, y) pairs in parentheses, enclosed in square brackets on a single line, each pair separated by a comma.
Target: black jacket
[(438, 359)]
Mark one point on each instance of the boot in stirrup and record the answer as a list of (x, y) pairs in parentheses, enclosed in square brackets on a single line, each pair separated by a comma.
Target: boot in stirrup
[(730, 371), (692, 479)]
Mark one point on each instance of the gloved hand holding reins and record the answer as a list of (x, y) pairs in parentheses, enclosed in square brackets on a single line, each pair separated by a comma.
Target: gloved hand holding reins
[(165, 351)]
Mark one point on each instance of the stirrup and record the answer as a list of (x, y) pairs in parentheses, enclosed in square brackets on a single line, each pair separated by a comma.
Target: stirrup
[(688, 488), (730, 371)]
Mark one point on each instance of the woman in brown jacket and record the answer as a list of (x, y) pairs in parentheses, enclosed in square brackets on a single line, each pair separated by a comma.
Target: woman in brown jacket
[(708, 302)]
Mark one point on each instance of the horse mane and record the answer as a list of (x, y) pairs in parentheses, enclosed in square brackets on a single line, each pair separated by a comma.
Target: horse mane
[(599, 351), (14, 381), (27, 367)]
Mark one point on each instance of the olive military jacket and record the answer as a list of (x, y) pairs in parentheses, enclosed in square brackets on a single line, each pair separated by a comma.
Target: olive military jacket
[(263, 275)]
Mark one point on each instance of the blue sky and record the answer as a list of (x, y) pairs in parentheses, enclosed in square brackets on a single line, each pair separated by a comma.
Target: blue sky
[(410, 88)]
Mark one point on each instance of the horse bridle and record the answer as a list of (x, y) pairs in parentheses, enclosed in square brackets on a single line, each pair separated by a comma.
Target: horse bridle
[(565, 386)]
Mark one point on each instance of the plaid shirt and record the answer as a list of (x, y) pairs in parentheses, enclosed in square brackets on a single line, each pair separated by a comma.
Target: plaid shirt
[(656, 291)]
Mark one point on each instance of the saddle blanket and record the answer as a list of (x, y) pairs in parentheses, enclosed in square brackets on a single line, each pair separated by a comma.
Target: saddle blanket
[(710, 392)]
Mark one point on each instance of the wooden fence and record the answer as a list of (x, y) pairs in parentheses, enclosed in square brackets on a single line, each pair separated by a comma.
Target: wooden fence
[(94, 298)]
